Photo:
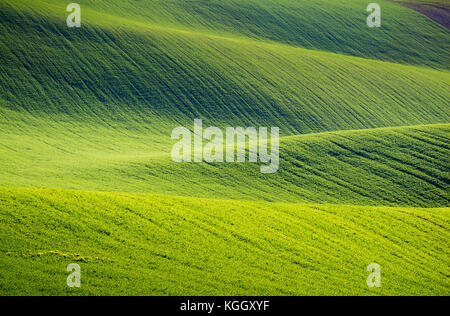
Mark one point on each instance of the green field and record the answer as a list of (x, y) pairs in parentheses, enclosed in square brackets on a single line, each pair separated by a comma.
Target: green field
[(405, 166), (186, 246), (86, 117)]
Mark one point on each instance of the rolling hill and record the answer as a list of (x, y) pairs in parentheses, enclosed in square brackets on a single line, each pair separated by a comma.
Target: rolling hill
[(86, 117), (140, 76), (404, 166), (158, 245)]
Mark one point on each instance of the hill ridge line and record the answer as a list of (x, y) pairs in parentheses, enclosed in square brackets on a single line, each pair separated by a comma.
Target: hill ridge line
[(230, 37), (253, 41), (118, 194), (352, 131)]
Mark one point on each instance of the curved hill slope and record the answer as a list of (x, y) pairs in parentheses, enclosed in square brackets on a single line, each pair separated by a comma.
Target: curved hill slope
[(158, 245), (93, 109), (329, 25), (406, 166), (122, 71)]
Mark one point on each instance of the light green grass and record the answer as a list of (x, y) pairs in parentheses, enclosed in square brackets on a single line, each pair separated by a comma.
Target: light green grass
[(160, 245)]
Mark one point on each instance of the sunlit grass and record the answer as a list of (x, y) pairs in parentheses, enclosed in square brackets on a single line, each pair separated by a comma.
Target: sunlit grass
[(150, 244), (364, 118)]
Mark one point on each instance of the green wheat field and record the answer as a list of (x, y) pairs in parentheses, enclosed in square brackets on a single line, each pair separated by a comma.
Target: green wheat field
[(86, 174)]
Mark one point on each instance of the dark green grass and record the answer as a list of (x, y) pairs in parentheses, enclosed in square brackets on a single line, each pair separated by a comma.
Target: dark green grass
[(93, 109), (160, 245), (400, 166), (391, 166), (115, 70), (329, 25)]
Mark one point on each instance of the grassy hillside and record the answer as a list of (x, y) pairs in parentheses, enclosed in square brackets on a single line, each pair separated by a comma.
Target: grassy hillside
[(330, 25), (392, 166), (149, 244), (365, 123), (124, 71)]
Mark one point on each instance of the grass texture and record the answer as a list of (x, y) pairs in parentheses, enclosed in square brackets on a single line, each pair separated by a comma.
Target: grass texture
[(406, 166), (149, 244), (86, 175), (118, 72)]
